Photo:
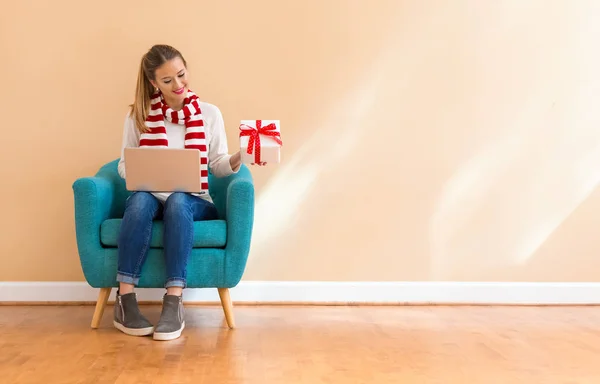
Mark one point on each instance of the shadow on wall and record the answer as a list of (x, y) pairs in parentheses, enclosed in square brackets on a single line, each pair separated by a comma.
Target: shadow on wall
[(290, 198), (500, 206), (524, 149), (281, 200)]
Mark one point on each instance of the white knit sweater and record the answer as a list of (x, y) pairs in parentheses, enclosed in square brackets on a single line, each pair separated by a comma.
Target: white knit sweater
[(216, 138)]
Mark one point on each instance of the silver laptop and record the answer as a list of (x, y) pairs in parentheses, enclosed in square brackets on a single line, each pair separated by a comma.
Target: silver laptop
[(162, 169)]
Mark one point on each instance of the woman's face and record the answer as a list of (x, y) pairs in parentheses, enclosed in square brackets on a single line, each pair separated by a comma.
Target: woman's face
[(172, 80)]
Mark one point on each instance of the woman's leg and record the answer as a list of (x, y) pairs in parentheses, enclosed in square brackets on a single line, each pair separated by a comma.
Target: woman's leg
[(181, 210), (141, 209)]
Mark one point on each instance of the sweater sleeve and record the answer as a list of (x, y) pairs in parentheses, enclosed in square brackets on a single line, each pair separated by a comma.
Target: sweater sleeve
[(218, 156), (131, 138)]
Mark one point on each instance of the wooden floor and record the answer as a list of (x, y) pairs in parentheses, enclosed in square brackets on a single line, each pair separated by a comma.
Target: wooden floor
[(308, 345)]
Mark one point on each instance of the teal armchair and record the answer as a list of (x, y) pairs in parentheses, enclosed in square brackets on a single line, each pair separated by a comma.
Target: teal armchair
[(220, 250)]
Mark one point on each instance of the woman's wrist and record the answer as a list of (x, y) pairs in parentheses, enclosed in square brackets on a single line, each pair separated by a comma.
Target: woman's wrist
[(235, 161)]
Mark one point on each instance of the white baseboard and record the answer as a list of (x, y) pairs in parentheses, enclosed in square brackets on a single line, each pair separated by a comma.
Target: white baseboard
[(308, 292)]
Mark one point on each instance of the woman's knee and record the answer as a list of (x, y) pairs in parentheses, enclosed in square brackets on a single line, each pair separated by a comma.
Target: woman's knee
[(141, 204), (177, 203)]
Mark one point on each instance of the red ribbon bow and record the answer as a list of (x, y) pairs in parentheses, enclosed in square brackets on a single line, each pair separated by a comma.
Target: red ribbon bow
[(254, 134)]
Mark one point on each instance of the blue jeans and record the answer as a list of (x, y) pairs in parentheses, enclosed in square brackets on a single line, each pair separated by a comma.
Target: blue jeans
[(178, 214)]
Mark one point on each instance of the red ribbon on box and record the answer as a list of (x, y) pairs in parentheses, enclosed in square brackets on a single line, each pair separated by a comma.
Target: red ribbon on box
[(254, 134)]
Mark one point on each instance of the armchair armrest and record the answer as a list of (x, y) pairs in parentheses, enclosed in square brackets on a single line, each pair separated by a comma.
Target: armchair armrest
[(93, 198), (239, 211)]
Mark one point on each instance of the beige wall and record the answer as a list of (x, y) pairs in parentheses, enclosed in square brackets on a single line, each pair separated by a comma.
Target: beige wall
[(423, 140)]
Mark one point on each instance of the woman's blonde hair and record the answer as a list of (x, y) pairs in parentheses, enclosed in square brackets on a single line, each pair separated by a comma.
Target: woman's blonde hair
[(154, 58)]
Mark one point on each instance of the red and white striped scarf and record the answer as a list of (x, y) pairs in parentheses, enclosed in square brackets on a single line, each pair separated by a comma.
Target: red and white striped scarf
[(191, 116)]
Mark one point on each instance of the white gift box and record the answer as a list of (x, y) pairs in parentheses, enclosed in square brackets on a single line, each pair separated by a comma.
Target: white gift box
[(270, 147)]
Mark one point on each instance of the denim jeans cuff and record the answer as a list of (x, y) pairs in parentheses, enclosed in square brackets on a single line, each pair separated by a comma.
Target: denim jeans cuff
[(123, 278), (175, 282)]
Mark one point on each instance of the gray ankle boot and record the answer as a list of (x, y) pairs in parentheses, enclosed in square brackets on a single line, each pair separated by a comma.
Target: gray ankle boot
[(128, 318), (171, 321)]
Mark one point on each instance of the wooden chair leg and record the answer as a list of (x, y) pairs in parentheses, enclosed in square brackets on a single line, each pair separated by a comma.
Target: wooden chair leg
[(100, 305), (227, 306)]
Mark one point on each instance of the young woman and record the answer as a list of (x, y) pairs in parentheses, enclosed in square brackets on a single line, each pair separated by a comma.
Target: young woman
[(166, 113)]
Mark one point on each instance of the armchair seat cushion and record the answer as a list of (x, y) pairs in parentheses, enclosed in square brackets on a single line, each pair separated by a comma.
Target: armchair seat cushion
[(207, 234)]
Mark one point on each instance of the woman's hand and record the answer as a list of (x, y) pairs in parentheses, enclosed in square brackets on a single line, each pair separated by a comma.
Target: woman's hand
[(236, 161)]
